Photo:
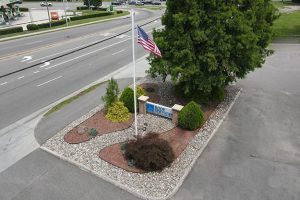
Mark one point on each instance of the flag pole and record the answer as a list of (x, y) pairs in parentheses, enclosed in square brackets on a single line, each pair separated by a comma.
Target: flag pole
[(134, 84)]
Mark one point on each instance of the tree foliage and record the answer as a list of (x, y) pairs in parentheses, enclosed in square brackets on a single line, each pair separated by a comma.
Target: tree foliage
[(207, 44), (95, 3), (112, 92)]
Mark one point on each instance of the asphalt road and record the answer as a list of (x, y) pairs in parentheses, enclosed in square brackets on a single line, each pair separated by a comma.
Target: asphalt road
[(253, 156), (39, 85)]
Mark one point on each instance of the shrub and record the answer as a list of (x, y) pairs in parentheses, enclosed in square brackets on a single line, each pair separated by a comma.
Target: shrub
[(92, 132), (112, 92), (82, 8), (119, 11), (53, 23), (217, 94), (23, 9), (127, 97), (191, 116), (11, 30), (31, 27), (149, 153), (91, 16), (118, 112)]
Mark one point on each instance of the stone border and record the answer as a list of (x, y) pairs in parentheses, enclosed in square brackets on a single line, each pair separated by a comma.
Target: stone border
[(154, 186)]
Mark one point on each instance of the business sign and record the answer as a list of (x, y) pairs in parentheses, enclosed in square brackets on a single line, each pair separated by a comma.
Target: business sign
[(159, 110)]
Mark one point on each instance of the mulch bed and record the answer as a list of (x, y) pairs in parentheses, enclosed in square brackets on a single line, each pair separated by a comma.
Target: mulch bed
[(100, 123), (178, 139), (151, 90)]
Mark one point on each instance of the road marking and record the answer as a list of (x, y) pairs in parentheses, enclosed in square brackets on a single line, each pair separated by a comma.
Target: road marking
[(45, 64), (4, 83), (20, 77), (106, 34), (118, 52), (33, 42), (121, 36), (36, 72), (48, 81), (26, 58), (87, 53)]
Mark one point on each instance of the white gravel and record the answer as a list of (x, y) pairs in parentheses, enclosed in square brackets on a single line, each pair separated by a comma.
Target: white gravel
[(151, 185)]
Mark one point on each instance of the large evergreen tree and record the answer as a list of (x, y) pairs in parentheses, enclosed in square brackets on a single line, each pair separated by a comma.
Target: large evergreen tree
[(206, 44)]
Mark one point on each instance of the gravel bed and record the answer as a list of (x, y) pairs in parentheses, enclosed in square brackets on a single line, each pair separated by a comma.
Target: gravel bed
[(151, 185)]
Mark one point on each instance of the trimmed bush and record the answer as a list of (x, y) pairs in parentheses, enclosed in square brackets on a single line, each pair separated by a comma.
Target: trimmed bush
[(191, 116), (149, 153), (92, 132), (23, 9), (127, 97), (53, 23), (118, 112), (31, 27), (217, 94), (11, 30), (112, 92), (82, 8), (119, 11), (91, 16)]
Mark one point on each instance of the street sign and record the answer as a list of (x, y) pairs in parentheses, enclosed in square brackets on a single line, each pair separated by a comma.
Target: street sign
[(159, 110)]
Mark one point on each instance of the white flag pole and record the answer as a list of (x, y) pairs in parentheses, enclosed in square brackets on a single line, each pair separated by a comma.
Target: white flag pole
[(134, 84)]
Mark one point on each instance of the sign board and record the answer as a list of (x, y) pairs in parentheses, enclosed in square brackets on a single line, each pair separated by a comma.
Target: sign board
[(159, 110)]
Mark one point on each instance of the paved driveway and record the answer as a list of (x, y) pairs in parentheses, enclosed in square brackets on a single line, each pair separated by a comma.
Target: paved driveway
[(254, 155), (256, 152)]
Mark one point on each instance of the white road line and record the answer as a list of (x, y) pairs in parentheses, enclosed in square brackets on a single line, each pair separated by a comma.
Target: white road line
[(118, 52), (36, 72), (87, 54), (4, 83), (33, 42), (106, 34), (121, 36), (20, 77), (49, 81)]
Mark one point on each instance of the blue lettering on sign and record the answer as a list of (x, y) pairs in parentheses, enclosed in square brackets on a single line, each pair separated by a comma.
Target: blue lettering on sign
[(159, 110)]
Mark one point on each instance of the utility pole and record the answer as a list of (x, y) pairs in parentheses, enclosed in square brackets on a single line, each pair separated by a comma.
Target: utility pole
[(48, 13)]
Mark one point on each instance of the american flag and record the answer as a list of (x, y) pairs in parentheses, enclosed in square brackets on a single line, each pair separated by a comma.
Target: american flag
[(146, 42)]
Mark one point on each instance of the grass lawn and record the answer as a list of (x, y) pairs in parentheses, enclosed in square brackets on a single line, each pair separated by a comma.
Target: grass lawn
[(83, 21), (288, 24)]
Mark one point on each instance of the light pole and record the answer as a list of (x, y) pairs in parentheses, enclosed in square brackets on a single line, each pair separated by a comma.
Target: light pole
[(48, 13)]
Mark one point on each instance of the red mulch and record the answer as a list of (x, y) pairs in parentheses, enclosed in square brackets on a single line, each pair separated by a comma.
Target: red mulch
[(177, 138), (100, 123)]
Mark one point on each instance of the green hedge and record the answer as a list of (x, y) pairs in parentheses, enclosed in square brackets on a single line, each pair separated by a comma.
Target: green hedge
[(191, 116), (31, 27), (93, 8), (11, 30), (91, 16), (23, 9), (53, 23)]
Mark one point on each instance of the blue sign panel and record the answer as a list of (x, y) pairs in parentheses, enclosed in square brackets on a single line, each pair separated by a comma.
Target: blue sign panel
[(159, 110)]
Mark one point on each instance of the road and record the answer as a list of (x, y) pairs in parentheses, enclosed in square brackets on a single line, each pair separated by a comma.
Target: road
[(22, 92)]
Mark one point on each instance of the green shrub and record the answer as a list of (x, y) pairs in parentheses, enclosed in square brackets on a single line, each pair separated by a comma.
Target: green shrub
[(112, 92), (11, 30), (191, 116), (92, 132), (118, 112), (218, 94), (119, 11), (91, 16), (31, 27), (127, 97), (23, 9), (82, 8), (53, 23), (149, 153)]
